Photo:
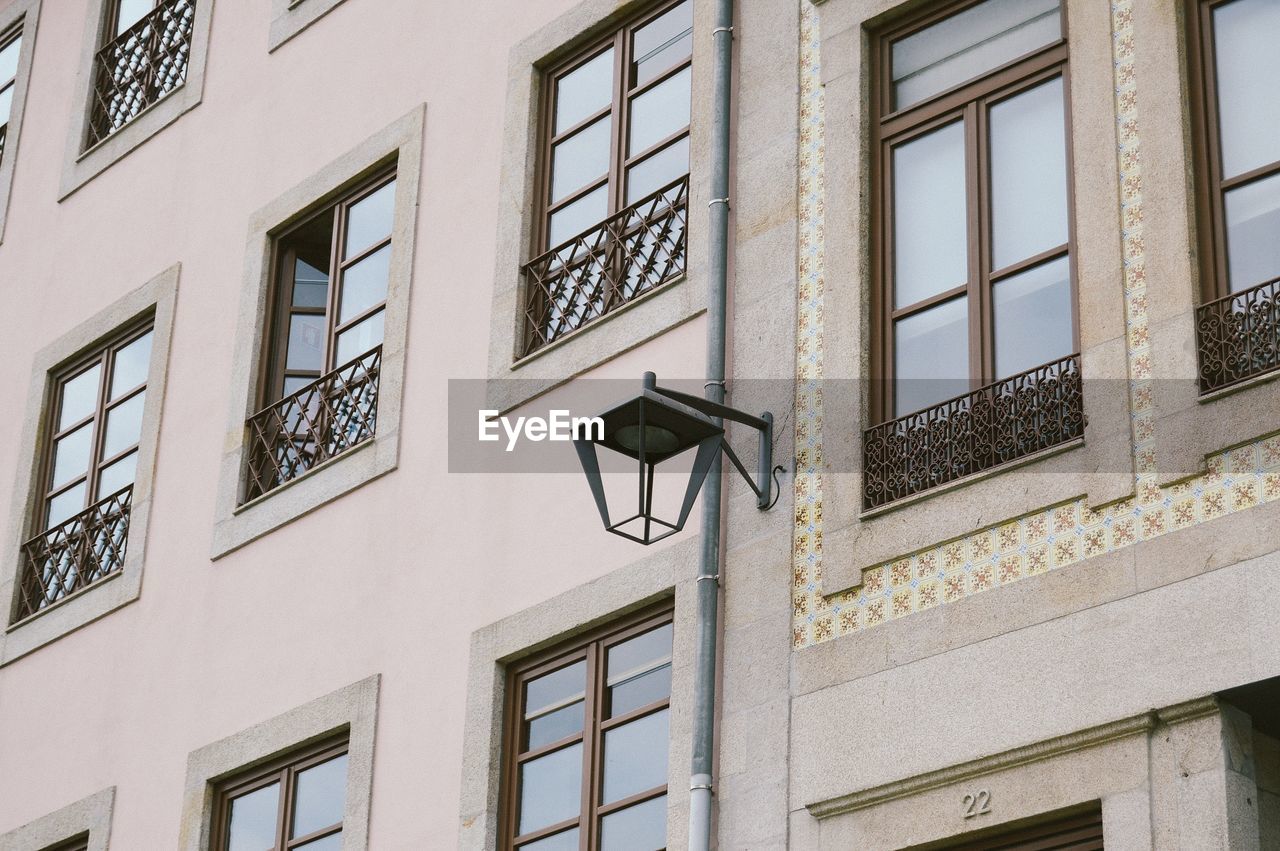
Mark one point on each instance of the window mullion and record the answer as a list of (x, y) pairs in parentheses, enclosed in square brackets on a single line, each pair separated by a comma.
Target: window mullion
[(335, 283), (621, 120), (99, 426), (976, 234), (590, 756), (284, 808)]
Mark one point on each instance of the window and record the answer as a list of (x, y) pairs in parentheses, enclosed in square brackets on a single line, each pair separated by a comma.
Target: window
[(295, 802), (323, 348), (975, 305), (587, 742), (1232, 45), (1081, 832), (10, 50), (93, 433), (613, 182)]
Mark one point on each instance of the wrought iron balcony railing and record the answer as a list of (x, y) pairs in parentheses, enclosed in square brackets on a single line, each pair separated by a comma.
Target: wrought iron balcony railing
[(74, 554), (332, 414), (1239, 336), (1001, 422), (140, 66), (601, 269)]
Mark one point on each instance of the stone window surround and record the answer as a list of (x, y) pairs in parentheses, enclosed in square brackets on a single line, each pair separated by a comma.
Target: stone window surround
[(90, 815), (666, 573), (290, 17), (235, 524), (353, 708), (1189, 426), (637, 322), (1100, 466), (79, 166), (158, 297), (25, 14)]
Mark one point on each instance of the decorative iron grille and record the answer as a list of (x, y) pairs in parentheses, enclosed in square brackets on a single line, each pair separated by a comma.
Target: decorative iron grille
[(334, 413), (1239, 336), (140, 66), (603, 268), (1001, 422), (74, 554)]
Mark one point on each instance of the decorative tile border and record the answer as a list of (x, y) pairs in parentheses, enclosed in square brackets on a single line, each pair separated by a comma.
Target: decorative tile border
[(1047, 539)]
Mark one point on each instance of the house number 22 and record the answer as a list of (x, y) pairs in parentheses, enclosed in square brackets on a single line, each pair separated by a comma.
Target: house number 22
[(976, 805)]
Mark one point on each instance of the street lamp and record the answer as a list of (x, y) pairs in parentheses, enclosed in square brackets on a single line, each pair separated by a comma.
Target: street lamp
[(660, 424)]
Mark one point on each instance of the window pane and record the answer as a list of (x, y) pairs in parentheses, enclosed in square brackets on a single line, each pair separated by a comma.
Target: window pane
[(1253, 225), (6, 104), (662, 43), (131, 364), (9, 60), (931, 356), (659, 112), (306, 343), (310, 285), (635, 757), (639, 671), (359, 339), (321, 793), (124, 424), (584, 91), (365, 284), (65, 504), (567, 841), (930, 219), (292, 384), (639, 828), (550, 789), (71, 455), (657, 170), (580, 159), (119, 474), (1033, 318), (253, 820), (332, 842), (970, 44), (572, 220), (1248, 64), (79, 397), (1028, 175), (131, 11), (369, 220), (553, 705)]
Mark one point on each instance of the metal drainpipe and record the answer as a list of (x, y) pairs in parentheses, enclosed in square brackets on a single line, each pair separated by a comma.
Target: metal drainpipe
[(708, 586)]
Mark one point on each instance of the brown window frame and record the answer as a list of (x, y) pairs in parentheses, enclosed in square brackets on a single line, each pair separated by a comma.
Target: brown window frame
[(624, 93), (969, 103), (282, 769), (592, 647)]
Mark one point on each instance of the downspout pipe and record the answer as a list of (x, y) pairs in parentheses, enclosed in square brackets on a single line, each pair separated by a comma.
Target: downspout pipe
[(708, 582)]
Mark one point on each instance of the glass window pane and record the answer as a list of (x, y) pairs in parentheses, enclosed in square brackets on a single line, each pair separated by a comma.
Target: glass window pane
[(365, 284), (66, 504), (306, 343), (332, 842), (635, 757), (662, 43), (580, 159), (931, 356), (567, 841), (359, 339), (572, 220), (321, 794), (553, 705), (1033, 318), (550, 788), (79, 397), (970, 44), (6, 104), (1248, 64), (131, 364), (369, 220), (9, 60), (71, 455), (1253, 225), (131, 11), (310, 285), (253, 820), (584, 91), (639, 671), (659, 112), (119, 474), (930, 217), (639, 828), (657, 170), (124, 424), (1028, 175), (293, 383)]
